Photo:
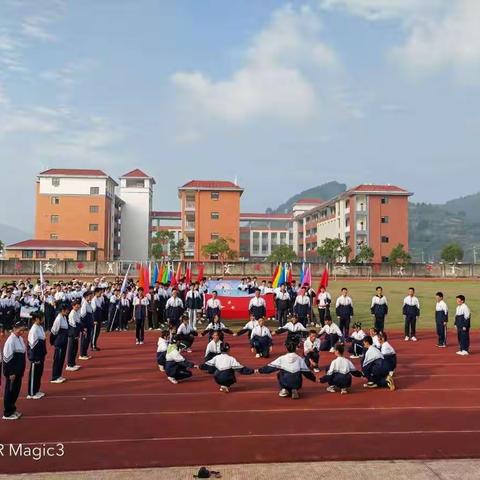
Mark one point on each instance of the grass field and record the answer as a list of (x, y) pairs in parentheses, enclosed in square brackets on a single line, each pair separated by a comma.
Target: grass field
[(362, 291)]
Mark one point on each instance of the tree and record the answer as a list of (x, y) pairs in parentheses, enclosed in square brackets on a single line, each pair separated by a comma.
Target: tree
[(220, 248), (333, 250), (452, 253), (177, 249), (160, 243), (399, 256), (365, 254), (282, 253)]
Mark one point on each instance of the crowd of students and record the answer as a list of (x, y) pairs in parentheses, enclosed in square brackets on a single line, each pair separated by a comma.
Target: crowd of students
[(76, 312)]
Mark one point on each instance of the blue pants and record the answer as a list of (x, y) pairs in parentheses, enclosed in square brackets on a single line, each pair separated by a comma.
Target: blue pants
[(463, 338)]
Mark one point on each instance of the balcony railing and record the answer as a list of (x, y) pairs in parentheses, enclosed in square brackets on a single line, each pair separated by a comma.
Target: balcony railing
[(189, 226), (189, 205)]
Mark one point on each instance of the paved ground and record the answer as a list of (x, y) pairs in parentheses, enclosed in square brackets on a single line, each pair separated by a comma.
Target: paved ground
[(396, 470)]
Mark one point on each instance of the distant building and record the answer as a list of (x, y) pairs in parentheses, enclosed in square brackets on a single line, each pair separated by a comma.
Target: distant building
[(51, 249)]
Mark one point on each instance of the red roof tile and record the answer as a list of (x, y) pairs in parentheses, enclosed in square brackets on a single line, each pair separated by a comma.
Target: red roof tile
[(51, 245), (78, 172), (214, 184), (377, 188), (273, 216), (137, 173), (309, 201)]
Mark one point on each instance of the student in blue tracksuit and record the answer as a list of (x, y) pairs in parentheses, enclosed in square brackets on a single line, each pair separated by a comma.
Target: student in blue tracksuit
[(86, 316), (388, 352), (213, 307), (74, 329), (291, 368), (13, 370), (302, 307), (462, 322), (261, 339), (441, 319), (162, 346), (374, 368), (216, 326), (257, 306), (59, 338), (176, 366), (379, 309), (411, 312), (296, 331), (140, 304), (174, 309), (344, 311), (36, 352)]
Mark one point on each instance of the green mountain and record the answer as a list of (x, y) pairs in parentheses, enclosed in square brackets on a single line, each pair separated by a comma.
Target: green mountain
[(325, 192)]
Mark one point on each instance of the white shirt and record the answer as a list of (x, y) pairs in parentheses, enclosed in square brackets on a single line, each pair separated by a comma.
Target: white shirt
[(387, 349), (162, 345), (282, 295), (328, 329), (214, 303), (441, 306), (185, 329), (309, 346), (174, 302), (376, 300), (302, 300), (59, 323), (259, 331), (224, 362), (13, 345), (412, 301), (141, 301), (290, 362), (74, 318), (322, 298), (294, 327), (373, 353), (463, 310), (343, 300), (256, 302), (213, 347), (360, 335), (341, 365), (35, 334), (174, 356)]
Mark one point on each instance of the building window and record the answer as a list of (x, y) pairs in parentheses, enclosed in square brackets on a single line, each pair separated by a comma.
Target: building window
[(93, 227), (94, 190), (93, 208), (54, 218), (53, 236), (27, 253), (55, 182), (384, 200), (214, 215), (214, 236), (214, 257), (385, 259), (384, 220), (385, 239), (215, 195), (283, 238), (55, 200), (81, 256), (41, 254)]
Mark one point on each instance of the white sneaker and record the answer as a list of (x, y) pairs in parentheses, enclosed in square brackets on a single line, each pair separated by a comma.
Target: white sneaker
[(58, 380), (30, 397), (172, 380), (283, 393), (414, 339), (354, 356), (189, 351), (137, 342), (72, 369), (257, 355), (150, 328), (332, 350), (316, 370), (464, 352), (331, 389), (459, 352), (40, 394), (140, 343), (407, 339), (11, 417), (37, 396), (161, 368), (224, 389), (343, 391), (84, 357)]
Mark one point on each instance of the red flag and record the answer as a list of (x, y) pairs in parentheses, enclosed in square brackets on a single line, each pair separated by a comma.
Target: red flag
[(146, 278), (324, 279), (188, 274), (160, 273), (141, 276), (201, 269), (175, 278), (290, 275), (178, 275)]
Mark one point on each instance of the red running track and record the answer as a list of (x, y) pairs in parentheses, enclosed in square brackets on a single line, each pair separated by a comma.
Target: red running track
[(119, 411)]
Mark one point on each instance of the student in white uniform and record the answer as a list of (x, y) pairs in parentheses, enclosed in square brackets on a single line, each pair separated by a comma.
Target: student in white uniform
[(261, 339), (213, 347), (257, 306), (162, 346), (374, 368), (411, 312), (324, 300), (74, 328), (339, 374), (13, 370), (311, 350), (140, 304), (36, 352), (462, 322), (59, 338), (295, 330), (332, 335), (223, 367), (291, 368), (186, 333), (357, 336), (379, 309), (388, 352), (441, 320), (249, 326), (176, 366), (344, 311), (216, 326)]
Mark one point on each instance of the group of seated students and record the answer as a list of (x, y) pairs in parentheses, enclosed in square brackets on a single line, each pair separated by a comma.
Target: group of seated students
[(377, 365)]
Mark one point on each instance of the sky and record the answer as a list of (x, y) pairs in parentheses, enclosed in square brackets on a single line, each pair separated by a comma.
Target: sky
[(281, 95)]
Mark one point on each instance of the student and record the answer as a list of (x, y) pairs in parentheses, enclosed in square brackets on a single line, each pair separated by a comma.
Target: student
[(344, 311), (162, 346), (357, 336), (216, 326), (324, 300), (186, 333), (261, 339), (113, 314), (213, 347), (152, 309), (86, 315), (257, 306), (296, 331), (74, 328), (332, 336), (374, 368), (375, 337), (290, 368), (311, 350), (339, 374), (223, 368), (379, 309), (174, 309), (411, 312), (388, 352), (13, 370), (193, 303), (249, 326), (124, 311), (98, 309), (462, 322), (302, 307), (213, 307), (59, 338), (176, 366), (441, 319), (140, 304), (36, 353), (282, 305)]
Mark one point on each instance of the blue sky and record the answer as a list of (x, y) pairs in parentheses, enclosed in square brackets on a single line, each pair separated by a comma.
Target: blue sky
[(282, 95)]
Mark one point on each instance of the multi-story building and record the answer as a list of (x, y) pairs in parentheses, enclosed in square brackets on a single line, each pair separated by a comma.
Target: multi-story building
[(373, 215)]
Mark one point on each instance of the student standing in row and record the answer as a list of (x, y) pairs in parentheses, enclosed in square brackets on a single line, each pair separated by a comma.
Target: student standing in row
[(302, 307), (257, 306), (59, 338), (344, 311), (441, 319), (86, 315), (379, 309), (324, 300), (97, 308), (174, 309), (74, 328), (411, 312), (140, 304), (13, 370), (36, 352), (282, 304), (462, 322)]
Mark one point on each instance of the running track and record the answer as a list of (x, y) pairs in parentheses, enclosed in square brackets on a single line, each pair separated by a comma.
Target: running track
[(119, 411)]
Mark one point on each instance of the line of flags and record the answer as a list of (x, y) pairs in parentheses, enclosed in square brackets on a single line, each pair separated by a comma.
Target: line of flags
[(148, 273), (283, 273)]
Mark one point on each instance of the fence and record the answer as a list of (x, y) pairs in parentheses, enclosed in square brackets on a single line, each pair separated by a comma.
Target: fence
[(70, 269)]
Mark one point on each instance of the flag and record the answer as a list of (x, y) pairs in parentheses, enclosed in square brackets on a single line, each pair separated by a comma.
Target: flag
[(155, 274), (290, 274), (125, 279), (275, 273), (307, 277), (178, 275), (173, 277), (201, 269), (42, 281), (188, 274), (141, 276), (160, 273), (146, 278), (302, 273), (280, 274), (324, 279)]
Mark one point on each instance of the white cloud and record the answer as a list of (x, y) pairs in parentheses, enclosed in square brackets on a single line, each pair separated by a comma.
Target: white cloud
[(37, 27), (279, 77)]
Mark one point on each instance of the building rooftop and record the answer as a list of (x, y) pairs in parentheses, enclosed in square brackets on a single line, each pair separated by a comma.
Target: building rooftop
[(210, 185), (308, 201), (50, 245), (266, 216), (365, 187), (137, 173), (74, 172)]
